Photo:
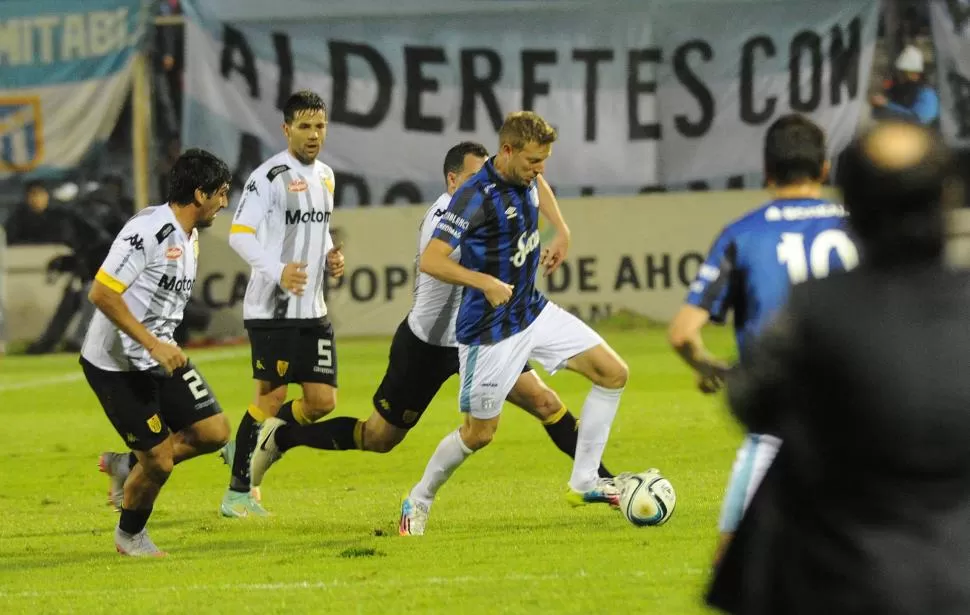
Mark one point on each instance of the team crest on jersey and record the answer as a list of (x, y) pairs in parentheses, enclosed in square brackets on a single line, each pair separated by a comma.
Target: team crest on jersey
[(174, 253), (297, 185), (326, 181), (21, 133), (281, 367), (155, 424)]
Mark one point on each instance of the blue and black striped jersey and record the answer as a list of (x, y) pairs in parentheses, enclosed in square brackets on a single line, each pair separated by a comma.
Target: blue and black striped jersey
[(756, 259), (496, 225)]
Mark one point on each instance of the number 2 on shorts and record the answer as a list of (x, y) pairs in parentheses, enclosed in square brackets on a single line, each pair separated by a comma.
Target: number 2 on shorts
[(196, 385)]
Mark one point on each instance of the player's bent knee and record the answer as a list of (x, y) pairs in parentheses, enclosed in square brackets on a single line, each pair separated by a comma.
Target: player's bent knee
[(547, 403), (380, 436), (318, 408), (208, 435), (617, 376), (381, 444), (477, 435), (217, 433), (611, 373), (269, 402)]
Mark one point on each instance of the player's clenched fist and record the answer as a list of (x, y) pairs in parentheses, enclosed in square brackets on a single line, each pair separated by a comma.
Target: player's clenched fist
[(294, 278), (335, 261), (497, 292), (168, 355)]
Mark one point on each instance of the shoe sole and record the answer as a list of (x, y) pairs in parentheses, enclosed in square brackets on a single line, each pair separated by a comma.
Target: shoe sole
[(232, 514), (126, 554)]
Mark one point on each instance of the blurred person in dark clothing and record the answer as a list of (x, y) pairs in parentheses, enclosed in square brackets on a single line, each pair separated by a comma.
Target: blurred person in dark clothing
[(865, 378), (89, 226), (34, 221), (111, 194), (908, 97)]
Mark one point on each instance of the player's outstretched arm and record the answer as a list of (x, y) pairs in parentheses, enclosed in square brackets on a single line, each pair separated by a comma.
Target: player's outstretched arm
[(436, 262), (684, 334), (112, 305)]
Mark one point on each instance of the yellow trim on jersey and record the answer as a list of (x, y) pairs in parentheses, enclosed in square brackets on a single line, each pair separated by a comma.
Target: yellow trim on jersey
[(110, 281), (242, 228)]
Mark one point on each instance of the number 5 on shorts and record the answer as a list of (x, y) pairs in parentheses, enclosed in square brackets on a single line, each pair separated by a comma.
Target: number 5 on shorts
[(196, 385), (325, 352)]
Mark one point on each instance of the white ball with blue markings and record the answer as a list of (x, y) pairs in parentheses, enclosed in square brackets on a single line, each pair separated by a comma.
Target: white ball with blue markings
[(647, 499)]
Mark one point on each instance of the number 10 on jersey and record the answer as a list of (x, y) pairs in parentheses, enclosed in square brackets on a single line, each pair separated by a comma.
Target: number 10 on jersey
[(802, 260)]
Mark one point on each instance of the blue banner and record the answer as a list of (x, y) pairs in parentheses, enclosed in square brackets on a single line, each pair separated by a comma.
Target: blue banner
[(65, 70)]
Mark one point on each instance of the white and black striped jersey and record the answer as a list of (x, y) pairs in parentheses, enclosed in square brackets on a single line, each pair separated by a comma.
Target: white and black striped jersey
[(435, 308), (286, 205), (152, 263)]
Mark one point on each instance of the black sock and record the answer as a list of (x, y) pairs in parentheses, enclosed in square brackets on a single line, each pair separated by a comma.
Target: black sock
[(246, 437), (133, 520), (336, 434), (564, 434), (286, 413)]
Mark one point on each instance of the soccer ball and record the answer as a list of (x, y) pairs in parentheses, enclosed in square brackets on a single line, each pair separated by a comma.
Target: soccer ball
[(647, 499)]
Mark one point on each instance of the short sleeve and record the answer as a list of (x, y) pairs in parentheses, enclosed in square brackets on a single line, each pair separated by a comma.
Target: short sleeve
[(127, 257), (457, 219), (256, 201), (713, 288)]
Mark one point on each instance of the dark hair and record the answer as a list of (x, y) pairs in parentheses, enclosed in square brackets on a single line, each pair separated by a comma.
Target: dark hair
[(304, 100), (455, 158), (196, 169), (794, 151), (897, 210)]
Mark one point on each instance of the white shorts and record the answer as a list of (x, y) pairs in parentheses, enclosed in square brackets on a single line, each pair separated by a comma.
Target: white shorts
[(489, 371), (752, 461)]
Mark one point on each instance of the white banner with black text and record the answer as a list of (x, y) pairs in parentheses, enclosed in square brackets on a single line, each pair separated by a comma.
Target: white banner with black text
[(648, 96), (950, 22)]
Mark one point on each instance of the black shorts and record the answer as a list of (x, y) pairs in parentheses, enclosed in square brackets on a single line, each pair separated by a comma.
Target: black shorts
[(282, 355), (415, 372), (145, 407)]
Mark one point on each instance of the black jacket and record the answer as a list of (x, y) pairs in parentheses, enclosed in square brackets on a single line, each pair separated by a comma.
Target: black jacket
[(866, 508)]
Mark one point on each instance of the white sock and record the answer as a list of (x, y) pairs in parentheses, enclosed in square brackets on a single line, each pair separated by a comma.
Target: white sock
[(450, 454), (594, 430)]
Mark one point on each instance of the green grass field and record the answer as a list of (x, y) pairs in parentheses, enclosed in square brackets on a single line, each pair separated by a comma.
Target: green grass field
[(501, 539)]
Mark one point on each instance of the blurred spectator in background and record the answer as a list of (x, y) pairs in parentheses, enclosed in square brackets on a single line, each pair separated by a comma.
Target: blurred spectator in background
[(89, 225), (34, 221), (168, 73), (110, 198), (164, 165), (908, 96)]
